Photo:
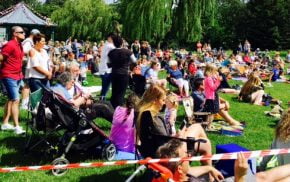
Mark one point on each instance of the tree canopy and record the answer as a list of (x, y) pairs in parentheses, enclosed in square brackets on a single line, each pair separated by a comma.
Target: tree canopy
[(86, 19), (265, 23)]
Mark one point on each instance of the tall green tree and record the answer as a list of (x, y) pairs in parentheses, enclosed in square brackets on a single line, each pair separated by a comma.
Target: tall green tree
[(147, 19), (84, 19), (4, 4), (268, 23), (50, 6), (153, 19), (191, 17)]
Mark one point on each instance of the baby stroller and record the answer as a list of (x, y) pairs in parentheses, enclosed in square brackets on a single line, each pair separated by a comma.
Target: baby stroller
[(76, 130)]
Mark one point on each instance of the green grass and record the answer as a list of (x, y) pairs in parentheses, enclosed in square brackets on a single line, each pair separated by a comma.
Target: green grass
[(258, 135)]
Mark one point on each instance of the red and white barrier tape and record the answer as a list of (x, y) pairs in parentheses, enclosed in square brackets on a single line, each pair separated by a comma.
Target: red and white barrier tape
[(225, 156)]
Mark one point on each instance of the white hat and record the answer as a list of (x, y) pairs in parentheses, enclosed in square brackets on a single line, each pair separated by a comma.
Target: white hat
[(172, 63), (34, 32)]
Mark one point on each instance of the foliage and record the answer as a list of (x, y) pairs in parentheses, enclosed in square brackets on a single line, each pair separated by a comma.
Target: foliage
[(86, 19), (265, 23), (190, 16), (153, 19), (269, 23), (4, 4), (147, 20), (49, 6)]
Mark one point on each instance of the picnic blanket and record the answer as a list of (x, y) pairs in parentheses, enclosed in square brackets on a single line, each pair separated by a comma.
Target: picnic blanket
[(223, 128)]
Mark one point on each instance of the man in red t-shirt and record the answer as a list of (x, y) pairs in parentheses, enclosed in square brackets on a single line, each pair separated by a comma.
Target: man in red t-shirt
[(11, 75)]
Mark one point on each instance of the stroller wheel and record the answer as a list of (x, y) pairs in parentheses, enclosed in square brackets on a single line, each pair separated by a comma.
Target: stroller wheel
[(59, 161), (109, 152)]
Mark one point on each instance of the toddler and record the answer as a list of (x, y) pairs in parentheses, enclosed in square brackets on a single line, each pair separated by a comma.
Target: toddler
[(171, 112)]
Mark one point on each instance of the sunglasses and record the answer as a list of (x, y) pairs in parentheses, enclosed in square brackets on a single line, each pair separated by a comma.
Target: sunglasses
[(20, 32)]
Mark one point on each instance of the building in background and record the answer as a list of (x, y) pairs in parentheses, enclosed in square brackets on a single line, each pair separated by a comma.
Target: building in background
[(21, 14)]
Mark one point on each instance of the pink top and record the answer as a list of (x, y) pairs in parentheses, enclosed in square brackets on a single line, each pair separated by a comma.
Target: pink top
[(122, 131), (210, 86)]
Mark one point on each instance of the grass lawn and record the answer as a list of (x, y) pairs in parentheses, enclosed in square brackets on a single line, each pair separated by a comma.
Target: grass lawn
[(258, 135)]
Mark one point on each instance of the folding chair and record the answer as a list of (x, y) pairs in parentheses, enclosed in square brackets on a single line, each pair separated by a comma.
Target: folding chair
[(36, 116), (200, 117)]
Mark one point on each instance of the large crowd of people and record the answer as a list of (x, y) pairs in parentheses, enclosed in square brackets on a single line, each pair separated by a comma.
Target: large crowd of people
[(140, 120)]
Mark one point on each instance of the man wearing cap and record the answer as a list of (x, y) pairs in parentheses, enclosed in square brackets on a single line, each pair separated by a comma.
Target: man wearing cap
[(27, 45), (11, 75)]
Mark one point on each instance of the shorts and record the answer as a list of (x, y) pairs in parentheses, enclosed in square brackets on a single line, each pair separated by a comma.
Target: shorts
[(12, 87)]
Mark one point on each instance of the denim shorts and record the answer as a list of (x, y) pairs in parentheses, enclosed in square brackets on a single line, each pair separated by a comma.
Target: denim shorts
[(12, 87)]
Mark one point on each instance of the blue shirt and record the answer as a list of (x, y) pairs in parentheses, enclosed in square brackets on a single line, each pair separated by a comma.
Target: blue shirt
[(199, 100), (276, 73), (61, 90), (175, 73)]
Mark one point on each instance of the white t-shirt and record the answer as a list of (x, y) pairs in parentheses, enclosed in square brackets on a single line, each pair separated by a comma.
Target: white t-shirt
[(39, 59), (103, 67), (27, 45)]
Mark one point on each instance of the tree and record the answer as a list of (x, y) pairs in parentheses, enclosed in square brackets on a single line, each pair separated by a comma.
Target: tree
[(268, 23), (83, 19), (229, 28), (50, 6), (153, 19), (147, 19), (4, 4), (191, 16)]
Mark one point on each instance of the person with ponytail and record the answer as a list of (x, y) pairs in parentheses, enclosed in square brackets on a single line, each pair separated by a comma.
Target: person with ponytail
[(123, 127)]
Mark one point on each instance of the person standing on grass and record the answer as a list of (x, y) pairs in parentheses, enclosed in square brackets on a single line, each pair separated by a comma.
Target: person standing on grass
[(104, 70), (11, 75), (27, 45), (211, 83), (39, 66), (119, 60)]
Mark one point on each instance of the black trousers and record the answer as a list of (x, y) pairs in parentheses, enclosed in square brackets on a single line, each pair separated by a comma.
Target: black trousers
[(119, 85)]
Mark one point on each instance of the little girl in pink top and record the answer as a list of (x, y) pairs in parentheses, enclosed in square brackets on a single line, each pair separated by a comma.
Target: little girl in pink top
[(211, 84)]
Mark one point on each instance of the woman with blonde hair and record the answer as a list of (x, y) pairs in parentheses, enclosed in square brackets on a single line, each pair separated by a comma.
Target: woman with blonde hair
[(151, 125), (282, 140), (253, 90)]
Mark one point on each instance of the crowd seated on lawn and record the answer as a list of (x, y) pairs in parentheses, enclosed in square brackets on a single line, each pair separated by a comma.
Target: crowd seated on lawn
[(145, 78)]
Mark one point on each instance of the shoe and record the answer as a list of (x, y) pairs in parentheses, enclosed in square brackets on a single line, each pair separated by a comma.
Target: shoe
[(7, 127), (18, 130)]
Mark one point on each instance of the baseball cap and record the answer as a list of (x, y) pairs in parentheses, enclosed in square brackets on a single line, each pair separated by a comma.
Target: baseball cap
[(34, 32)]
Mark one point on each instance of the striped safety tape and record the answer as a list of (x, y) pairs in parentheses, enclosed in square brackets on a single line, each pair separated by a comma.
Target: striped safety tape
[(225, 156)]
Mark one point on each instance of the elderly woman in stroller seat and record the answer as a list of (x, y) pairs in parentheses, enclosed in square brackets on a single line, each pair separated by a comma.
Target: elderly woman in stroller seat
[(66, 82)]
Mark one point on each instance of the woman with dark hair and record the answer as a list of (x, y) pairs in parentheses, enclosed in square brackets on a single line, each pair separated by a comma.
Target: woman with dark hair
[(38, 70), (119, 60)]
